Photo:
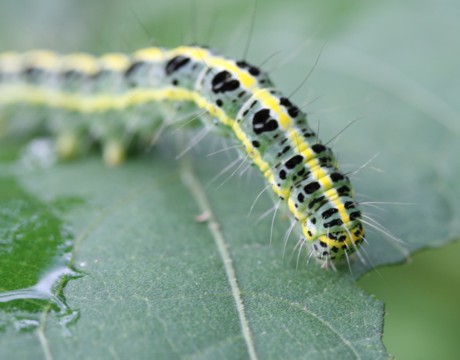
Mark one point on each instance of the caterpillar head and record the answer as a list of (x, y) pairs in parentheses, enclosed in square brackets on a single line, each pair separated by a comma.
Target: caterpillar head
[(330, 244)]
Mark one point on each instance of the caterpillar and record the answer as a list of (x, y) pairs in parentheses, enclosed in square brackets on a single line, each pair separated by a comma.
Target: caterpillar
[(79, 92)]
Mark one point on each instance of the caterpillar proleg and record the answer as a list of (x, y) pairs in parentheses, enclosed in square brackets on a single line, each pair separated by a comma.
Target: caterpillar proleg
[(81, 92)]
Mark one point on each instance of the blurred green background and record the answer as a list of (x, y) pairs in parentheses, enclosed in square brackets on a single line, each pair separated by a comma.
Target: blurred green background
[(421, 301), (407, 45)]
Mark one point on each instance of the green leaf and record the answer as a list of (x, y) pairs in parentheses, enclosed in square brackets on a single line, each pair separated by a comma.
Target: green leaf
[(160, 283), (157, 283)]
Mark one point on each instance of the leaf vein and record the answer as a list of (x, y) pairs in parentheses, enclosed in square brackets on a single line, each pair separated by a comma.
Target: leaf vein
[(199, 195)]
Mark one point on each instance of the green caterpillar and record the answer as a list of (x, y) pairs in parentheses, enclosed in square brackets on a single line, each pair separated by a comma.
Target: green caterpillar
[(82, 92)]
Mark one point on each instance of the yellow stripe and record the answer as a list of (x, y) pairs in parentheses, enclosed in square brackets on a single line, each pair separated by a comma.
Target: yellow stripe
[(271, 102), (10, 61), (199, 55), (206, 57), (340, 206), (114, 62), (149, 54), (89, 104), (295, 211), (42, 59), (302, 147), (318, 174), (333, 198), (80, 62), (196, 53)]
